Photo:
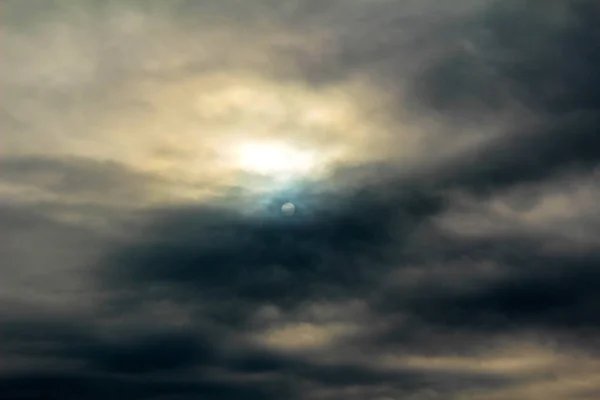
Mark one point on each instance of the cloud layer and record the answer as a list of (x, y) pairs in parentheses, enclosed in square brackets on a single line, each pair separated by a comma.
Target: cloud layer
[(444, 246)]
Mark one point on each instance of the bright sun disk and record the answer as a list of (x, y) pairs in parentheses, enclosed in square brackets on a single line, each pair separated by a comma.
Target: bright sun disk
[(275, 159)]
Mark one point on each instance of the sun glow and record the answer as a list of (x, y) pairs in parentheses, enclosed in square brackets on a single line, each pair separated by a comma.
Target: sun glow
[(278, 160)]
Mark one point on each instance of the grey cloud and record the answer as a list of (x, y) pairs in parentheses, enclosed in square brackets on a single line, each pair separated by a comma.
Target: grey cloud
[(532, 153), (542, 57), (78, 180)]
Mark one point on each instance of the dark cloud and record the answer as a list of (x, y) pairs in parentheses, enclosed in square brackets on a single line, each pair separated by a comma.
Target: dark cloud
[(159, 366), (533, 290), (75, 386), (531, 154), (542, 58), (514, 58), (334, 244)]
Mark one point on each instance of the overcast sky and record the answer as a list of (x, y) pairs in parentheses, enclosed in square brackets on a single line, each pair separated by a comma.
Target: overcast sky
[(443, 158)]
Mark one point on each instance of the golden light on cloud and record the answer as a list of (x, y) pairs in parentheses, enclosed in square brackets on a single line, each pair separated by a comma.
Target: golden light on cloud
[(222, 129), (558, 373), (168, 112), (303, 336)]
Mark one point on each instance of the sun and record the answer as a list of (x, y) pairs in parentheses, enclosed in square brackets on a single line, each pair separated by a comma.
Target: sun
[(275, 159)]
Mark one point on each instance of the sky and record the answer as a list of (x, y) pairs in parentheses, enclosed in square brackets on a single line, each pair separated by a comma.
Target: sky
[(443, 158)]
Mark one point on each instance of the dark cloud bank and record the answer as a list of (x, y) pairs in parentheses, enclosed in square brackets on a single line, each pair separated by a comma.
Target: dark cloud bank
[(168, 312)]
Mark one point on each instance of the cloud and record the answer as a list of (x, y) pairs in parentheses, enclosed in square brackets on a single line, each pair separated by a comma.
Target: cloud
[(446, 249), (78, 179)]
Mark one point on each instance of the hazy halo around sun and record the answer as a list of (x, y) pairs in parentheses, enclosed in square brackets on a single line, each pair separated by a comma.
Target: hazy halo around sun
[(275, 159)]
